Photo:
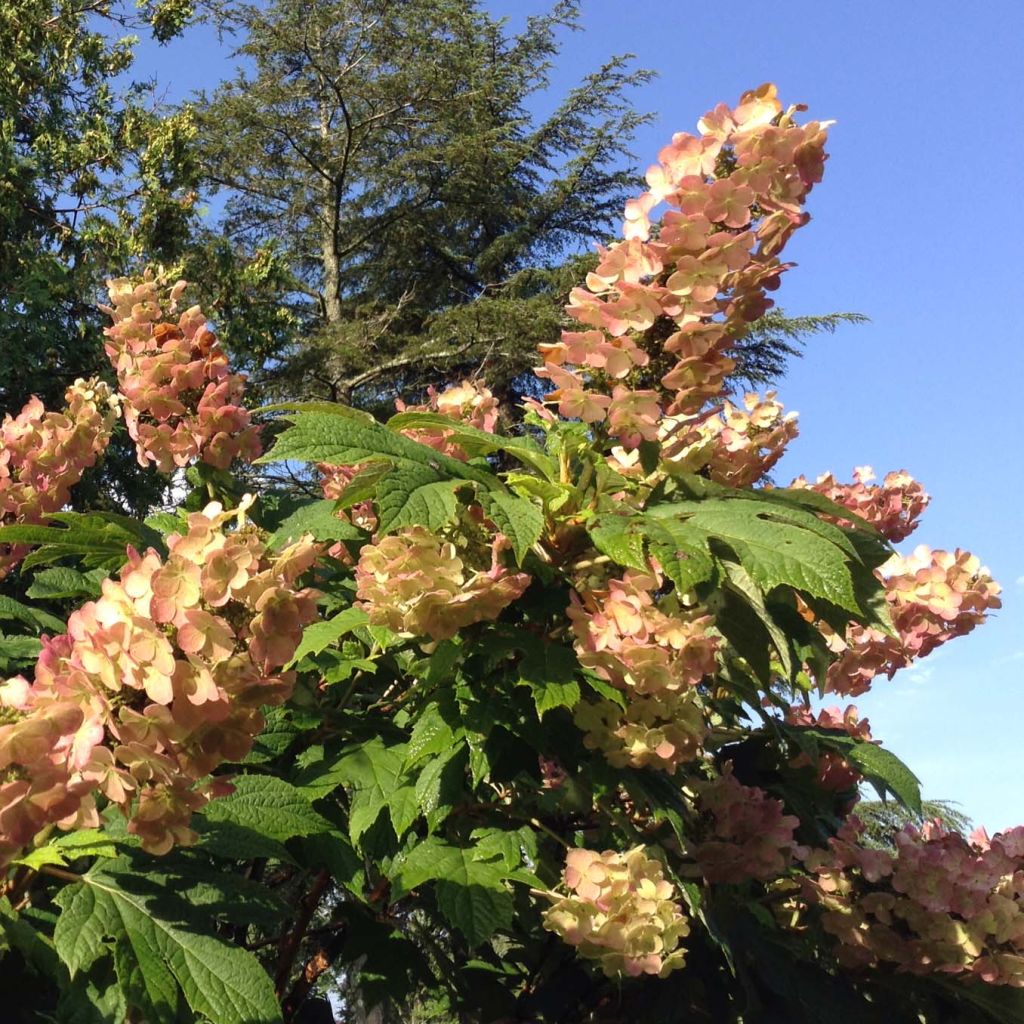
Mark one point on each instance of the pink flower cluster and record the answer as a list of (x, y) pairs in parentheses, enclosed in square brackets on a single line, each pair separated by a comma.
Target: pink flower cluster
[(939, 903), (893, 507), (333, 481), (468, 403), (153, 686), (44, 454), (418, 584), (657, 654), (181, 402), (751, 837), (835, 773), (735, 193), (626, 638), (621, 912), (659, 731), (933, 596), (735, 447)]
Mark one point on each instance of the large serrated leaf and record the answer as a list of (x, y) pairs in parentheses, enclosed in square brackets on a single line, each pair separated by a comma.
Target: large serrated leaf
[(415, 496), (431, 735), (519, 519), (62, 582), (100, 549), (318, 518), (160, 946), (374, 775), (267, 805), (38, 619), (320, 635), (886, 772), (683, 558), (231, 841), (343, 440), (470, 891), (774, 549), (881, 767), (478, 442), (18, 650), (620, 538), (740, 582), (549, 670)]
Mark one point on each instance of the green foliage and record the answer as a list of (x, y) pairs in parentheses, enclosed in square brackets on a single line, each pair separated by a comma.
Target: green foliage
[(95, 540), (95, 180), (884, 818), (160, 949)]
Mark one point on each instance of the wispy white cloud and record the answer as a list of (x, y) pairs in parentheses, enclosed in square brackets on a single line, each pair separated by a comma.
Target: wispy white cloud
[(1006, 659), (919, 675)]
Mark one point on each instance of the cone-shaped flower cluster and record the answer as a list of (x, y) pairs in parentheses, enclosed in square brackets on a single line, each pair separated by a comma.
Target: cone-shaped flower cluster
[(625, 636), (654, 731), (939, 903), (657, 653), (153, 686), (736, 447), (892, 507), (751, 836), (735, 194), (468, 403), (933, 596), (44, 454), (181, 402), (420, 585), (621, 912)]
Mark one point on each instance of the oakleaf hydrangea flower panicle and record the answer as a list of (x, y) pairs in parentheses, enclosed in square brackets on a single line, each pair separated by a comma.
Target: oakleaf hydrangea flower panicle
[(44, 454), (735, 447), (469, 403), (735, 194), (892, 507), (751, 836), (626, 638), (661, 730), (154, 685), (181, 401), (932, 596), (940, 902), (420, 585), (620, 911)]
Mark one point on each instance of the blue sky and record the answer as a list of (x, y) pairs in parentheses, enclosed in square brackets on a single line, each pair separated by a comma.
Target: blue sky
[(919, 224)]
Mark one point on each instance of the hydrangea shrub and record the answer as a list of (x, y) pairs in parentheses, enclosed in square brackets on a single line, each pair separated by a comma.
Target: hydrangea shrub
[(525, 722)]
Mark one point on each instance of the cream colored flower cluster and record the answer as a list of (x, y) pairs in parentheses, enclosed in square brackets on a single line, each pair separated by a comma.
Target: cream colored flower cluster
[(44, 454), (418, 584), (181, 401), (735, 194), (656, 653), (893, 507), (620, 912), (933, 596), (154, 686)]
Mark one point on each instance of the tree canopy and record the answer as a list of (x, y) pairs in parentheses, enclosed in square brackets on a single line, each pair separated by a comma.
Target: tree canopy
[(95, 181)]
